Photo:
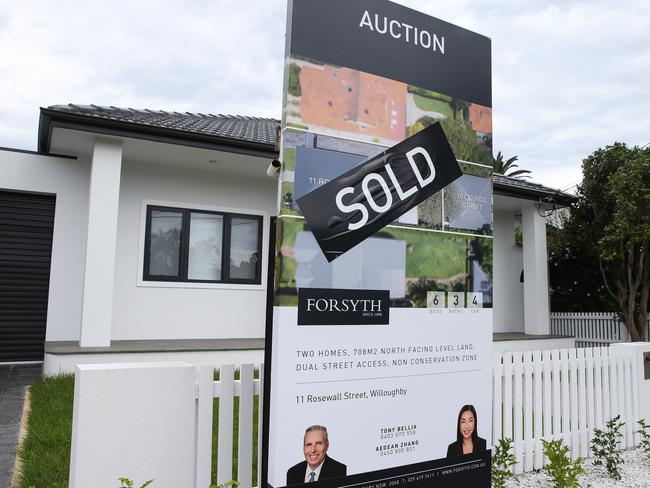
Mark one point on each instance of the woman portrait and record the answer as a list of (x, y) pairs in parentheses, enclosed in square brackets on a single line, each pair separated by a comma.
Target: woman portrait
[(467, 439)]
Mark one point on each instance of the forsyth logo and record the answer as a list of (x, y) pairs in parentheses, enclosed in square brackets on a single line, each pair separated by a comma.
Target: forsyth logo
[(345, 305), (360, 202), (324, 306)]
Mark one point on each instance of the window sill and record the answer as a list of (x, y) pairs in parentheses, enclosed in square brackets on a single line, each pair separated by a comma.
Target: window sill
[(207, 286)]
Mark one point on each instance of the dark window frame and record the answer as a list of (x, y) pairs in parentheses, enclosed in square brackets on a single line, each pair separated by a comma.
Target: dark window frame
[(186, 216)]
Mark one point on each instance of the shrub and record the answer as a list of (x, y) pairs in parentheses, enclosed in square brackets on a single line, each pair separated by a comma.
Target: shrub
[(645, 434), (560, 468), (604, 445), (227, 484), (502, 460), (294, 80), (128, 483)]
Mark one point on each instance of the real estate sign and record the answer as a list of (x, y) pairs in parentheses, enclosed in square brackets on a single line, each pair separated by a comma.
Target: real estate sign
[(378, 361)]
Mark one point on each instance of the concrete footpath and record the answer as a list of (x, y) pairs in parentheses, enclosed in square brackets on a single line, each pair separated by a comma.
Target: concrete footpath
[(13, 380)]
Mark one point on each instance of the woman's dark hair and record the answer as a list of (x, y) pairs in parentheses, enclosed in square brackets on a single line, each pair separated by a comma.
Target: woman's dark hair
[(459, 436)]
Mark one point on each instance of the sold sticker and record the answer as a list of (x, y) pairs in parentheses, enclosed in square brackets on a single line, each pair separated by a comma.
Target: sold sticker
[(349, 209)]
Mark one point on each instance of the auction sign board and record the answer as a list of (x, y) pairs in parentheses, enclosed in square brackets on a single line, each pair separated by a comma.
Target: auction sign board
[(379, 339)]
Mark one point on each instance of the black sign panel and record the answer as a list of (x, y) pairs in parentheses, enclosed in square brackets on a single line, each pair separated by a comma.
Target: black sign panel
[(362, 201), (386, 39), (460, 471), (326, 306)]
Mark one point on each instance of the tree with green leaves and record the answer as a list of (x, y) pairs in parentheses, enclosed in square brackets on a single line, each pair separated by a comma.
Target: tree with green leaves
[(610, 221), (294, 87), (461, 137), (507, 167)]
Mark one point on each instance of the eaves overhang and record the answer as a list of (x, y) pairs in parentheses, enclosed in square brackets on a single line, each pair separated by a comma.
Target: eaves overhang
[(52, 119)]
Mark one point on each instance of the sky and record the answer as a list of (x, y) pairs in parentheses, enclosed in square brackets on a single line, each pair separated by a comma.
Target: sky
[(568, 77)]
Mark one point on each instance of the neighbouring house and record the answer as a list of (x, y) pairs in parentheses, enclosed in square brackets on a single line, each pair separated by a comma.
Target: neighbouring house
[(93, 269)]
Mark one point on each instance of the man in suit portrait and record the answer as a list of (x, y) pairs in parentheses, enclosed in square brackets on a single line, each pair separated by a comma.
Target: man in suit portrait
[(317, 464)]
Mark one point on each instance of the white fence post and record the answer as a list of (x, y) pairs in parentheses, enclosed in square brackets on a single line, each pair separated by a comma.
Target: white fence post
[(557, 399), (583, 424), (226, 410), (260, 424), (528, 411), (497, 398), (590, 419), (538, 413), (245, 445), (517, 418), (204, 402)]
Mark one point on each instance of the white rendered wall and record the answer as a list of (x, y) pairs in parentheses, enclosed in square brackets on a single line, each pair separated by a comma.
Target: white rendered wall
[(138, 420), (103, 203), (508, 263), (68, 180), (536, 299), (145, 310)]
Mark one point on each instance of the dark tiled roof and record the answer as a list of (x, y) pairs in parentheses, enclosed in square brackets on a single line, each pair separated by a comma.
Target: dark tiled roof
[(520, 187), (253, 129), (258, 131)]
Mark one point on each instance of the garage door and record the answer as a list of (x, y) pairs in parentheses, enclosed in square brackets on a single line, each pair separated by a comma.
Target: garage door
[(26, 225)]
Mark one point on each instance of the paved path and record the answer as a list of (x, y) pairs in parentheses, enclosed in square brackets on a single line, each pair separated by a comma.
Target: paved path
[(13, 380), (415, 113)]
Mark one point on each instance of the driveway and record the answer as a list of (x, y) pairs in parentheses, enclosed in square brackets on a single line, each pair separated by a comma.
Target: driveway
[(13, 380)]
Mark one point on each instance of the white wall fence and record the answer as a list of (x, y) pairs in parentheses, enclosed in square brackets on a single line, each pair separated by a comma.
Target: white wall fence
[(246, 388), (592, 329), (562, 394), (553, 394)]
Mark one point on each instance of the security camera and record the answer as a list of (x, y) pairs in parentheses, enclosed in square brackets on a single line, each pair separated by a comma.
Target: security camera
[(273, 170)]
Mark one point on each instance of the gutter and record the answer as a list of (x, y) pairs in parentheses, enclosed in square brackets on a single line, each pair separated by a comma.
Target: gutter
[(530, 194)]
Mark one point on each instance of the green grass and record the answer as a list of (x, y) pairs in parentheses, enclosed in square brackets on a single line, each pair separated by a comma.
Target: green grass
[(432, 105), (235, 441), (289, 159), (296, 126), (235, 432), (430, 254), (286, 208), (290, 229), (286, 300), (45, 453)]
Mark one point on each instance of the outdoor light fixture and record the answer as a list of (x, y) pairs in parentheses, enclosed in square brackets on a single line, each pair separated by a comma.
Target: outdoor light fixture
[(273, 170)]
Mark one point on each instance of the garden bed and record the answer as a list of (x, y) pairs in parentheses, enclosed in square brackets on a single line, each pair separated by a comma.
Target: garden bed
[(635, 472)]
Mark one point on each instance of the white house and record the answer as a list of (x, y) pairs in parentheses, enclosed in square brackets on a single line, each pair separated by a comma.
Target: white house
[(109, 192)]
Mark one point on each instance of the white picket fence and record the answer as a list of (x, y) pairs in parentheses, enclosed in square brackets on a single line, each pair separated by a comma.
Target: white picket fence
[(592, 329), (562, 394), (556, 394), (246, 388)]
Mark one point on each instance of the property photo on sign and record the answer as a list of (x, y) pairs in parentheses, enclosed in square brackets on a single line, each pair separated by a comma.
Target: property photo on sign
[(379, 336), (360, 202)]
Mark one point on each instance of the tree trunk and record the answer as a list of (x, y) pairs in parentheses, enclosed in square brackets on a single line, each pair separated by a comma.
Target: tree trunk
[(631, 288), (645, 293), (634, 335)]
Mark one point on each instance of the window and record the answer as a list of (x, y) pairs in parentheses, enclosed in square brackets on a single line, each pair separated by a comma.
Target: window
[(202, 246)]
